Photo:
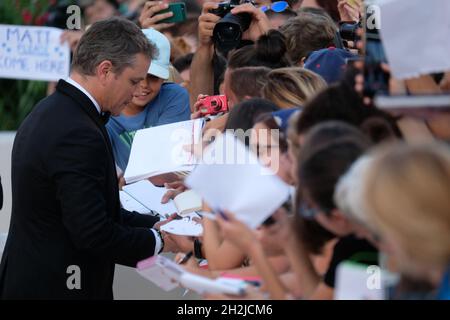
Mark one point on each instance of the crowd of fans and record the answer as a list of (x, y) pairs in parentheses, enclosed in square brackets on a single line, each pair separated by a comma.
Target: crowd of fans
[(365, 190)]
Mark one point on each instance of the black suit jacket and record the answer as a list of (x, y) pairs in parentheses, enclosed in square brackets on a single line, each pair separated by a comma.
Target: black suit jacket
[(65, 206), (1, 194)]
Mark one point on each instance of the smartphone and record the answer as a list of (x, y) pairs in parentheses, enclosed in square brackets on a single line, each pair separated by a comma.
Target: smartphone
[(376, 80), (179, 13)]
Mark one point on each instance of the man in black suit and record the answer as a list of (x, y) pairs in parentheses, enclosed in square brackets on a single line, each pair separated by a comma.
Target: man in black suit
[(67, 228)]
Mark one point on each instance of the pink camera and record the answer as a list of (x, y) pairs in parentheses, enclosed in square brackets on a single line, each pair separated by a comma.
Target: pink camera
[(213, 105)]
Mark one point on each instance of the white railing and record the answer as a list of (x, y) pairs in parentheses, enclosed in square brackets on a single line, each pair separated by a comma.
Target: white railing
[(6, 144)]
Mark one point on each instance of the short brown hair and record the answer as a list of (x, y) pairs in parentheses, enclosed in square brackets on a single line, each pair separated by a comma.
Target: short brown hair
[(248, 81), (306, 33), (115, 39)]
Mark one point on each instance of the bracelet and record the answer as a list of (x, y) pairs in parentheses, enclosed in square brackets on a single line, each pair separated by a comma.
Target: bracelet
[(162, 240), (198, 249)]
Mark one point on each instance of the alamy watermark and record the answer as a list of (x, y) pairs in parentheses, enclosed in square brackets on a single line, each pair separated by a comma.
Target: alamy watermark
[(73, 281), (373, 20), (373, 281), (74, 20)]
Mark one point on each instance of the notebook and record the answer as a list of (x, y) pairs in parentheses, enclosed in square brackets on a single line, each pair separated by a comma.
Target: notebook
[(421, 118), (144, 197), (130, 204), (163, 149), (161, 271), (149, 196), (185, 226)]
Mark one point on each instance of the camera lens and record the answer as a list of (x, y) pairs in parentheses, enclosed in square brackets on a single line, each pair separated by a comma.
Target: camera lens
[(218, 106), (228, 31), (348, 30)]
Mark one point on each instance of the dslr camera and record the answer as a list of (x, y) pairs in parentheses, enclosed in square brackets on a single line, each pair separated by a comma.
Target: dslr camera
[(347, 30), (213, 105), (227, 33)]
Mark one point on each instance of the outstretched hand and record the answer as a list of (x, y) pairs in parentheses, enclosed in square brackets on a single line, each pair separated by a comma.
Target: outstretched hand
[(236, 231)]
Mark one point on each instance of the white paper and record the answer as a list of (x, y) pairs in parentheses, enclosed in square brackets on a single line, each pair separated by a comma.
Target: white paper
[(416, 36), (203, 285), (150, 196), (33, 53), (185, 226), (161, 149), (239, 184), (128, 203)]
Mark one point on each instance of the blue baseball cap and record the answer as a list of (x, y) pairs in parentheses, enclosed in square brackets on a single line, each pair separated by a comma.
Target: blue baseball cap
[(329, 63), (159, 67), (282, 117)]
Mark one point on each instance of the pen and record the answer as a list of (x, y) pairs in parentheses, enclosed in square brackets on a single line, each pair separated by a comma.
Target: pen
[(186, 257), (199, 214), (206, 215), (222, 214)]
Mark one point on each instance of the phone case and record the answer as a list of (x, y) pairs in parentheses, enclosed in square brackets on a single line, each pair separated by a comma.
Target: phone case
[(179, 13)]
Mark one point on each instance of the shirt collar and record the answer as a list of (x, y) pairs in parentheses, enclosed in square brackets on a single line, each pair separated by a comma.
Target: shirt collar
[(79, 87)]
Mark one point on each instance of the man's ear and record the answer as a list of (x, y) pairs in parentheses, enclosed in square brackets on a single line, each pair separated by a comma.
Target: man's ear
[(104, 70)]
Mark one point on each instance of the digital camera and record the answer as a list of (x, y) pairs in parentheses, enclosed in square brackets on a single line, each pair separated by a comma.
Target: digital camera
[(348, 30), (213, 105), (227, 33)]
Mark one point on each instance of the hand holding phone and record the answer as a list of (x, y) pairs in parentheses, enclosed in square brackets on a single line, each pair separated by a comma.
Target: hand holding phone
[(376, 75), (178, 10), (159, 15)]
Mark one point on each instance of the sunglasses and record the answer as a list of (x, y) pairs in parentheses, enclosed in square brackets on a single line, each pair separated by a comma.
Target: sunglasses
[(307, 212), (278, 6)]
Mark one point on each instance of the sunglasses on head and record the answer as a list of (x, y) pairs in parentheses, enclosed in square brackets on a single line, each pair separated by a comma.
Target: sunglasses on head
[(308, 212), (278, 6)]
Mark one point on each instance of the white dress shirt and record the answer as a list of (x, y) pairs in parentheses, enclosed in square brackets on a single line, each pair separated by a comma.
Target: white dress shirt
[(158, 242)]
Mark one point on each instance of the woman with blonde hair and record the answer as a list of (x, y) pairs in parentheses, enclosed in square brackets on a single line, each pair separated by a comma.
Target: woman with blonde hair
[(292, 87), (407, 193)]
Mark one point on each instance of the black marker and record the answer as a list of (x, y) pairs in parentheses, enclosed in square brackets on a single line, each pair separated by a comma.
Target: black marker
[(222, 214), (186, 257)]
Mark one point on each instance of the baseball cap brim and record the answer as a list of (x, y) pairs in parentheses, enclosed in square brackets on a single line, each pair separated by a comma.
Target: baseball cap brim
[(158, 71)]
